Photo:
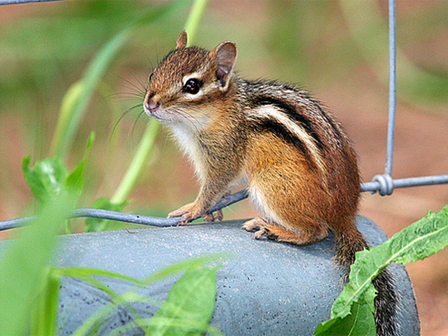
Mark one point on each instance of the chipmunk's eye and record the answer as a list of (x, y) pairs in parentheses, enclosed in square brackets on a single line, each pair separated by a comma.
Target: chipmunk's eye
[(192, 86)]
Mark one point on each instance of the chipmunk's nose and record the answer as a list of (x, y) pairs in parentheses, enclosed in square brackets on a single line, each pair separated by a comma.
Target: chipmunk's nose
[(150, 104)]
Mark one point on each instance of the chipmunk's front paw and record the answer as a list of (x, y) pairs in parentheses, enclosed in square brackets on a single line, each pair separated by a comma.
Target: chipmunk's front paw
[(188, 213), (216, 215)]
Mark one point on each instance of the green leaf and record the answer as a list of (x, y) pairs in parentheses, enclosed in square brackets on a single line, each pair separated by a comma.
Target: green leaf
[(189, 263), (342, 305), (49, 177), (84, 272), (46, 179), (418, 241), (360, 322), (75, 181), (189, 305), (23, 266)]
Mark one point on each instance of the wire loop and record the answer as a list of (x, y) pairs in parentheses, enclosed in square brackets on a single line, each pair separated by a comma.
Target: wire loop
[(386, 184)]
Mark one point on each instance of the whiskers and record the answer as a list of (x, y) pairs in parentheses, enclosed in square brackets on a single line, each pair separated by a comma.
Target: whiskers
[(125, 113), (136, 91)]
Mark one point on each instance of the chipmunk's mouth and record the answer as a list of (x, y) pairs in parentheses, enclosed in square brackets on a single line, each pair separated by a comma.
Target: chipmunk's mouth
[(157, 112)]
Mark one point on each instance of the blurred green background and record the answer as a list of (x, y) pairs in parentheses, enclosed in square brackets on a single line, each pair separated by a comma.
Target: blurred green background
[(335, 49)]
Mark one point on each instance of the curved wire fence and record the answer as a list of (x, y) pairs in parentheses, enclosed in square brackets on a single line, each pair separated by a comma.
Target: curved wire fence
[(384, 184)]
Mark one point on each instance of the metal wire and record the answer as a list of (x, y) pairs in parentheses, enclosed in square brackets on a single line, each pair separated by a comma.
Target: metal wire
[(15, 2), (392, 88), (126, 217), (383, 184)]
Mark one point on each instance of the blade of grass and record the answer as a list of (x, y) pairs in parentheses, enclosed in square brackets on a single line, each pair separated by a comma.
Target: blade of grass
[(83, 272), (87, 275), (44, 317), (23, 265), (183, 265), (195, 17), (138, 162), (117, 298)]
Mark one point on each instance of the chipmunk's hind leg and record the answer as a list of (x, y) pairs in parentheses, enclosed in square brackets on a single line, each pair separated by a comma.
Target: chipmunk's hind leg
[(273, 231)]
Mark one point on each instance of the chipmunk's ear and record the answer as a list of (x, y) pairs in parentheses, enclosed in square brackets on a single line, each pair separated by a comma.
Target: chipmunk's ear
[(225, 59), (182, 40)]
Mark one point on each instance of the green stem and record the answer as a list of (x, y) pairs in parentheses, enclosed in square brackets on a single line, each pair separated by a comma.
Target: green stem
[(137, 164), (148, 139), (196, 14), (83, 92)]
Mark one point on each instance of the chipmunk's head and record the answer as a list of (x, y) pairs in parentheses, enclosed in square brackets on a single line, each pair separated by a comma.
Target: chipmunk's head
[(188, 80)]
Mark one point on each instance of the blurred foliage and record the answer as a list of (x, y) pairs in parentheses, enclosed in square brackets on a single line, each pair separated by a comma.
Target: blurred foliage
[(318, 44)]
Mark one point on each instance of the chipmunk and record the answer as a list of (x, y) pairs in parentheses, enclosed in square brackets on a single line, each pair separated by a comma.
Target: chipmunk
[(298, 163)]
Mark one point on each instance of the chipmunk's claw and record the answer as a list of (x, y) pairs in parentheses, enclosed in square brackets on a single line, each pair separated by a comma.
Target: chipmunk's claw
[(188, 213)]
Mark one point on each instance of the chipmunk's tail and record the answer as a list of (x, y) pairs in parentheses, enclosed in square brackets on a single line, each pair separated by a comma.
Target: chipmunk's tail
[(348, 243)]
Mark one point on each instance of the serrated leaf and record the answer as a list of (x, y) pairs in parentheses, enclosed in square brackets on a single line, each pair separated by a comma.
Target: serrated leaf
[(189, 305), (418, 241), (422, 239), (342, 305), (360, 322)]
